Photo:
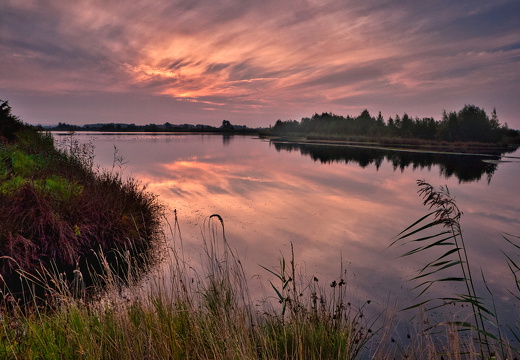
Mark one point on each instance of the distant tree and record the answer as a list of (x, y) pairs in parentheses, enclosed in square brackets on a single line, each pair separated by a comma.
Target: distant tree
[(226, 125), (107, 127), (449, 128), (365, 114), (66, 127), (406, 126), (9, 124), (425, 128), (151, 128), (397, 121), (474, 124), (471, 123), (495, 124), (364, 123), (380, 121), (305, 124), (286, 127)]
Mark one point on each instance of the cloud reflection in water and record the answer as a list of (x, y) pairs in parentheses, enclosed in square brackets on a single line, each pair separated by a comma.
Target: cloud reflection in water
[(328, 210)]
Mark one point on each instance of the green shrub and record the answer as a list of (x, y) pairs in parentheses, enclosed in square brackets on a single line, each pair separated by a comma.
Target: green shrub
[(23, 164), (59, 188), (11, 186)]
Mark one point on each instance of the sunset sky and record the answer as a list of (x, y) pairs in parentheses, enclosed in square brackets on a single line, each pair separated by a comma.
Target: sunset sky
[(253, 62)]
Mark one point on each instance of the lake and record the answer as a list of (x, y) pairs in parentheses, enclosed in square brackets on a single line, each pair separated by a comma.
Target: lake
[(339, 206)]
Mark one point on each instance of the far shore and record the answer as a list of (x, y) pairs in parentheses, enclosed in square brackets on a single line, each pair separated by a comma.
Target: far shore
[(399, 144)]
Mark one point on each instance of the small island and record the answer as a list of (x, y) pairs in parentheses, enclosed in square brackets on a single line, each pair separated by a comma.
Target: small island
[(469, 129)]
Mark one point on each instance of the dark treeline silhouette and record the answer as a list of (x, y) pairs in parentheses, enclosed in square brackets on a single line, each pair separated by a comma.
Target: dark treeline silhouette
[(226, 127), (465, 168), (9, 123), (470, 124)]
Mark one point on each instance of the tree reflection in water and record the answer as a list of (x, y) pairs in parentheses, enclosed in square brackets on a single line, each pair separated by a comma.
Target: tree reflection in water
[(465, 167)]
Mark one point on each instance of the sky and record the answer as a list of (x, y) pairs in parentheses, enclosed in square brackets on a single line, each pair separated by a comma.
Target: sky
[(253, 62)]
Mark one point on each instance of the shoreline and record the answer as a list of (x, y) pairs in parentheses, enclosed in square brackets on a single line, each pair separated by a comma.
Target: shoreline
[(476, 149)]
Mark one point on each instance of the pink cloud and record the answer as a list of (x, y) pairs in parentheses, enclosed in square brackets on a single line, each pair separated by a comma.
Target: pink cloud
[(275, 59)]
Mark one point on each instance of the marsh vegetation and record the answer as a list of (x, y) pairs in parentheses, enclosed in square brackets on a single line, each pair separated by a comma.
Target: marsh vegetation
[(59, 212)]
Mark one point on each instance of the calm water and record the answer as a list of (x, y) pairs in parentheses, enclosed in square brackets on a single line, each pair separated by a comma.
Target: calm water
[(338, 206)]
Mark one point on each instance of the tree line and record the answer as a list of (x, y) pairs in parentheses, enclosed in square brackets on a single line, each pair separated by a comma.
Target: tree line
[(471, 123), (166, 127)]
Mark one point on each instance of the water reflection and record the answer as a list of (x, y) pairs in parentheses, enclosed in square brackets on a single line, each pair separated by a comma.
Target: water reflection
[(226, 139), (464, 167), (340, 211)]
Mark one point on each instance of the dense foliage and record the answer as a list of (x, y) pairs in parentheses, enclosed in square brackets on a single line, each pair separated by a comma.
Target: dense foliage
[(469, 124)]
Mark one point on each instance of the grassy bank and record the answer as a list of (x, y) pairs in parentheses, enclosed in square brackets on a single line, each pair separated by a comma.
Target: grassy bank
[(186, 314), (58, 212)]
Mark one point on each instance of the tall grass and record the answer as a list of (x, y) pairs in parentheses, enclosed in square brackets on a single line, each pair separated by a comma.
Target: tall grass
[(179, 312), (58, 211), (438, 234)]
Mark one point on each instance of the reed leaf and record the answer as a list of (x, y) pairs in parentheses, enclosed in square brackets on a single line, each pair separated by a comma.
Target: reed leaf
[(424, 290), (411, 226), (463, 324), (272, 272), (277, 292), (514, 333), (512, 264), (441, 242), (431, 236), (448, 253), (509, 240), (514, 267), (418, 305), (452, 278), (450, 264)]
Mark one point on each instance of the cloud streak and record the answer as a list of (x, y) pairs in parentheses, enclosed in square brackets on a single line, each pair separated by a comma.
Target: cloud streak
[(263, 60)]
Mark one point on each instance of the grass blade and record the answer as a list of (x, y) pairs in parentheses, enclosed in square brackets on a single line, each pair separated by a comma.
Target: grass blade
[(272, 272)]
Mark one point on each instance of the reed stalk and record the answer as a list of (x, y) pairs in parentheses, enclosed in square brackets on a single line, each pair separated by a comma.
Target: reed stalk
[(446, 215)]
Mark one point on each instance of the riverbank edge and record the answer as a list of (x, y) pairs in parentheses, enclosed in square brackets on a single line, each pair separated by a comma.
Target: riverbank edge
[(60, 216), (397, 144)]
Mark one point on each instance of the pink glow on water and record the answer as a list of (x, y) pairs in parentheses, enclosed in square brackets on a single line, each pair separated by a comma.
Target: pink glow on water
[(329, 212)]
